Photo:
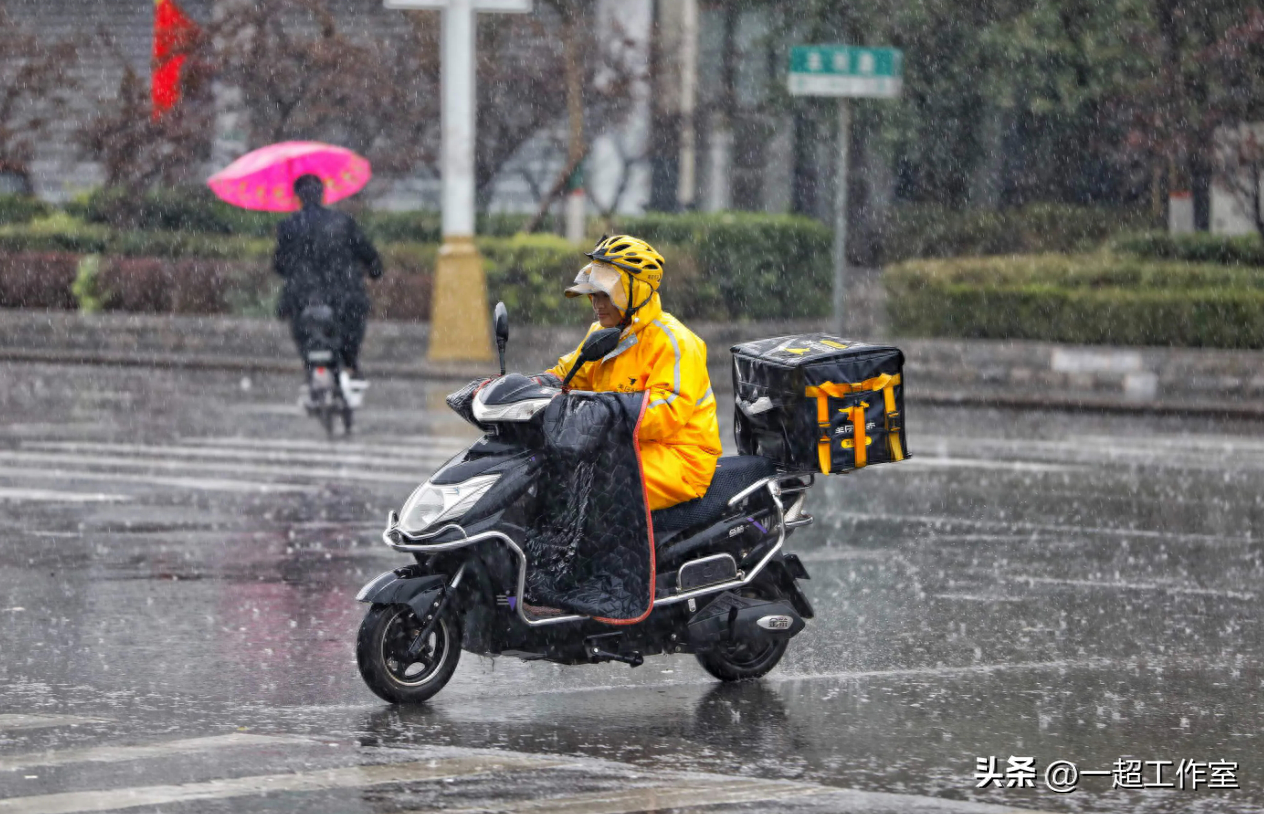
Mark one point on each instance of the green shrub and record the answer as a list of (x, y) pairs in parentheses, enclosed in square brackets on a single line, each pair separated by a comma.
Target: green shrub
[(196, 209), (530, 274), (925, 230), (59, 232), (401, 227), (733, 266), (62, 232), (128, 243), (86, 287), (1199, 247), (1097, 298), (182, 209), (22, 209), (762, 266)]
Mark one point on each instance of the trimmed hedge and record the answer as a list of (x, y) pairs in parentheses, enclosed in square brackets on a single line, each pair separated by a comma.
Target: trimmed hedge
[(729, 267), (185, 209), (38, 280), (61, 232), (938, 231), (1200, 247), (22, 209), (1090, 299), (530, 273), (761, 266), (196, 209)]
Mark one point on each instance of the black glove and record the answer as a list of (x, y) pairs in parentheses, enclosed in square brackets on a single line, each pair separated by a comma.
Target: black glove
[(462, 402), (546, 379)]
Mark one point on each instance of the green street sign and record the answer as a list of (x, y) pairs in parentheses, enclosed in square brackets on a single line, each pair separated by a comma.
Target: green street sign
[(846, 70)]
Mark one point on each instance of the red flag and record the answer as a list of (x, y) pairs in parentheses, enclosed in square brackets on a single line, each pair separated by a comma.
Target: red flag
[(173, 33)]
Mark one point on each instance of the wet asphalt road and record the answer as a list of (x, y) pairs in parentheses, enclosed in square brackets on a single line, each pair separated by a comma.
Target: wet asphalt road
[(179, 555)]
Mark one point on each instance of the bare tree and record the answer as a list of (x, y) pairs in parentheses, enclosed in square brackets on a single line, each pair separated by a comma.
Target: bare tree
[(626, 160), (1240, 169), (301, 74), (1237, 109), (35, 80), (138, 149), (602, 74)]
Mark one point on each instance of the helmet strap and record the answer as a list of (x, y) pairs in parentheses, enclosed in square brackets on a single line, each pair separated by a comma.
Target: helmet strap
[(632, 309)]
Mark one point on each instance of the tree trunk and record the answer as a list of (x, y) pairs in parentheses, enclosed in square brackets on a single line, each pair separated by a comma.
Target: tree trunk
[(720, 137), (664, 137)]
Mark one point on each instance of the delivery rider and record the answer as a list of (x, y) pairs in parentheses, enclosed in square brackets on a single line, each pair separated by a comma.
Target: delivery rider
[(679, 437)]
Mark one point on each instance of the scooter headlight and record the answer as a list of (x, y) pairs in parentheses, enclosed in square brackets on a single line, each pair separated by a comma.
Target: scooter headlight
[(518, 411), (432, 504)]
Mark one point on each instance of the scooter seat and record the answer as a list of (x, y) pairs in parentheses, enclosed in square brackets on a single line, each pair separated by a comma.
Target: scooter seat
[(732, 475)]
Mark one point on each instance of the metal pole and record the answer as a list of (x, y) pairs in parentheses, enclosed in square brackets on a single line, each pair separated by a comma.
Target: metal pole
[(840, 218), (459, 328), (457, 73)]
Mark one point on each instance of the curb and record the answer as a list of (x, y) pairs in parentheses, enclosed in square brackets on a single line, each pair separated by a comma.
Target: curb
[(463, 373), (164, 361), (1090, 404)]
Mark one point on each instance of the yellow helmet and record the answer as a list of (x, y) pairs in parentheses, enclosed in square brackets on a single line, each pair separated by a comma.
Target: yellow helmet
[(632, 255)]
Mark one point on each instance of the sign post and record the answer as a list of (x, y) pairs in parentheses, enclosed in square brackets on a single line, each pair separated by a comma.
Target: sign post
[(459, 327), (844, 71)]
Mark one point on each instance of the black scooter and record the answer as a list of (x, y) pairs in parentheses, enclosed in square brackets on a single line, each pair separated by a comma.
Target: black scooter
[(727, 591)]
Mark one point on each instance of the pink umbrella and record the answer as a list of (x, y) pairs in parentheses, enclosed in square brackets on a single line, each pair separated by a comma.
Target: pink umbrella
[(264, 179)]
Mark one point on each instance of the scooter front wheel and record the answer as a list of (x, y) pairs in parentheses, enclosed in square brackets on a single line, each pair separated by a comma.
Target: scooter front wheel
[(387, 633)]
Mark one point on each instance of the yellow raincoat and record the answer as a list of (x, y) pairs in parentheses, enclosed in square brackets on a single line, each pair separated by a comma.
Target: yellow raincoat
[(679, 437)]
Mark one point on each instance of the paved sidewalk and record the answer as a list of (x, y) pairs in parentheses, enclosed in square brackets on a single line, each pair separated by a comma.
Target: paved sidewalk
[(1018, 374)]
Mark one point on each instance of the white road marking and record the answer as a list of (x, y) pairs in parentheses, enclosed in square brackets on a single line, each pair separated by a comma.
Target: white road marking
[(304, 472), (324, 780), (119, 754), (1061, 664), (1213, 453), (1133, 586), (663, 789), (258, 455), (779, 678), (679, 794), (1012, 525), (63, 476), (1219, 443), (978, 598), (928, 462), (425, 444), (16, 721), (56, 496)]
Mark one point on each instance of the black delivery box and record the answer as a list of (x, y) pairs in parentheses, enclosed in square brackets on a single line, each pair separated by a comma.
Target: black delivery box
[(818, 403)]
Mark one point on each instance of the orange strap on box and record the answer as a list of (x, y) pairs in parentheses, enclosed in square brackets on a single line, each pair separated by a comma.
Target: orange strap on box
[(858, 434), (893, 436), (823, 392)]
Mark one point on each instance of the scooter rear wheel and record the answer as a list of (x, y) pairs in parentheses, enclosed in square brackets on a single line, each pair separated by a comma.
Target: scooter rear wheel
[(743, 661), (381, 652)]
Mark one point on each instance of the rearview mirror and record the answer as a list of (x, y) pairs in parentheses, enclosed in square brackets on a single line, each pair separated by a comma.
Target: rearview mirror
[(597, 346), (600, 343), (501, 322)]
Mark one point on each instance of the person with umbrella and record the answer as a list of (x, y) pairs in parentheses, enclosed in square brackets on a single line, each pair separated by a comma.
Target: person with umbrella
[(322, 255)]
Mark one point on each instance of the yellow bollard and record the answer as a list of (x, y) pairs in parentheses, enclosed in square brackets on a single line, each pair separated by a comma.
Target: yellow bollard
[(460, 328)]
